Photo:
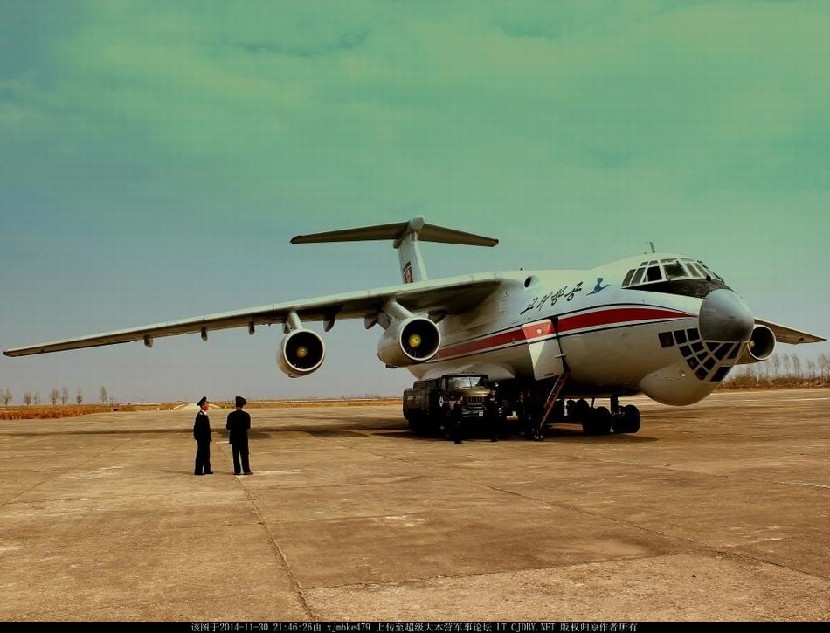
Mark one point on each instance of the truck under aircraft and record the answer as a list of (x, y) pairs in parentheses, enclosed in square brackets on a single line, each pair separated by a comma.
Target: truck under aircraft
[(660, 324)]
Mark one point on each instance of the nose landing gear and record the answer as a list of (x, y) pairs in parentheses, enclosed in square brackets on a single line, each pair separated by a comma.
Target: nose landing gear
[(625, 419)]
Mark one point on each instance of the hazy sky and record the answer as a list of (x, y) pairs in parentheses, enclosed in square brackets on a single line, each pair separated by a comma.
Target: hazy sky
[(157, 157)]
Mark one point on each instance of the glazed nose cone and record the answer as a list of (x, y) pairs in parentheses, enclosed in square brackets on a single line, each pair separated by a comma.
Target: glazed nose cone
[(725, 317)]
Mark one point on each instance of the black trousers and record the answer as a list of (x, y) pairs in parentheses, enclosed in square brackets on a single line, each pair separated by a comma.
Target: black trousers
[(240, 453), (202, 458)]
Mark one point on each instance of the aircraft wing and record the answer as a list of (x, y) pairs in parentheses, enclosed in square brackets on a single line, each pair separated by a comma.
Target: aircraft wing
[(452, 295), (789, 335)]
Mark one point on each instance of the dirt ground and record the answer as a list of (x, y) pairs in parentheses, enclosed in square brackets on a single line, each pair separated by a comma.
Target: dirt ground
[(714, 512)]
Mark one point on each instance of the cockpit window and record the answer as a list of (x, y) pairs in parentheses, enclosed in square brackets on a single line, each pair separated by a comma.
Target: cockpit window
[(653, 273), (638, 276), (678, 275), (694, 270), (673, 269)]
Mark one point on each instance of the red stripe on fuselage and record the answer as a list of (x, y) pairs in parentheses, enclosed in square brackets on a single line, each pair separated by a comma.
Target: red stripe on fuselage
[(617, 316), (544, 329)]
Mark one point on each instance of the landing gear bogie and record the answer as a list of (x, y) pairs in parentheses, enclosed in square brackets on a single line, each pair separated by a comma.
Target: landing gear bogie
[(598, 421)]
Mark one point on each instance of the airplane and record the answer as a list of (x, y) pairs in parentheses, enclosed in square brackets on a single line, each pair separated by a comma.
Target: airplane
[(660, 324)]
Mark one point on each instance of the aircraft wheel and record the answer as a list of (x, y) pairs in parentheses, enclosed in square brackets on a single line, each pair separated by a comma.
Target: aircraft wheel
[(632, 416), (628, 420), (602, 420), (588, 427), (581, 411)]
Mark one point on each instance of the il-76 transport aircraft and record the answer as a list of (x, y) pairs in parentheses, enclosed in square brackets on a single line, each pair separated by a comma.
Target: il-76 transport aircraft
[(660, 324)]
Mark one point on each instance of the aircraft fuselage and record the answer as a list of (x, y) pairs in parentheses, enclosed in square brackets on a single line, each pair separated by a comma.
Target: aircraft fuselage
[(612, 340)]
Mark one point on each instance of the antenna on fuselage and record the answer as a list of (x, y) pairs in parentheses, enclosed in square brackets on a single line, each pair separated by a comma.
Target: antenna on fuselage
[(651, 244)]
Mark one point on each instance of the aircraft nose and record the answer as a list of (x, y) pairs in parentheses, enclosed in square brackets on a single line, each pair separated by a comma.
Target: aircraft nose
[(725, 317)]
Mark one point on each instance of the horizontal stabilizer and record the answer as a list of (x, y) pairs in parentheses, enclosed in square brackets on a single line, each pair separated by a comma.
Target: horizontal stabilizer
[(397, 232)]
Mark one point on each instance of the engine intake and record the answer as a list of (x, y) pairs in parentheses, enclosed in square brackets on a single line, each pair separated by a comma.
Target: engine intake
[(410, 341), (760, 346), (301, 353)]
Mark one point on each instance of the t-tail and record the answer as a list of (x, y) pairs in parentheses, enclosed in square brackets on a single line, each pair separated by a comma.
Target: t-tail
[(405, 237)]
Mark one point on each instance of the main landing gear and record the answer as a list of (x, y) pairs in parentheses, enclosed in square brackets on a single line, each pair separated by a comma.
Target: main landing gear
[(602, 420)]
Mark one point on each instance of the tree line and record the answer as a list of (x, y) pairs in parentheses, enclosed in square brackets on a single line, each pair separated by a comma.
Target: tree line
[(55, 395), (781, 370)]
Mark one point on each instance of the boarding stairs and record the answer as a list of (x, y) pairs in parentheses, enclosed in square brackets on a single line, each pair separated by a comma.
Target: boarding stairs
[(558, 385)]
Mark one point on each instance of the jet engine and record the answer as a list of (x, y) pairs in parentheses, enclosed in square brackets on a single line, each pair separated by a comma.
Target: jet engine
[(760, 346), (301, 353), (407, 342)]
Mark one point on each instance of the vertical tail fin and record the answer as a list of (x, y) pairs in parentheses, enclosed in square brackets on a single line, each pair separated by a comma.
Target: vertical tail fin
[(405, 236)]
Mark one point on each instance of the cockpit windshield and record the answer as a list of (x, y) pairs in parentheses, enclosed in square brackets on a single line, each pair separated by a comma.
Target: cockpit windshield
[(678, 275)]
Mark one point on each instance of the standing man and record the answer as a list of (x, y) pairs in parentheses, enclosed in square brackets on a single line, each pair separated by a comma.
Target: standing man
[(239, 423), (494, 414), (457, 424), (201, 433)]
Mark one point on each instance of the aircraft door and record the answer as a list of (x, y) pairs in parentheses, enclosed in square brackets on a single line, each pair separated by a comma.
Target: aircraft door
[(546, 355)]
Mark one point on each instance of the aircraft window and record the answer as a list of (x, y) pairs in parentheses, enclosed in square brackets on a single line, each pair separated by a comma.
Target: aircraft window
[(673, 269), (675, 275), (709, 363), (666, 339), (734, 351), (638, 275), (653, 273), (723, 350), (693, 362), (720, 374), (685, 351), (698, 347), (680, 336), (695, 270), (701, 373), (692, 334)]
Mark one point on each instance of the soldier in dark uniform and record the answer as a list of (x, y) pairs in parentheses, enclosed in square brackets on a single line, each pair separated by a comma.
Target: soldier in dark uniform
[(523, 411), (201, 433), (456, 424), (495, 415), (531, 410), (536, 414), (238, 424)]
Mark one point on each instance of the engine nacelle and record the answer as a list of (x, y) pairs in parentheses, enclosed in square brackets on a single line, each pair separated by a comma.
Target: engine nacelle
[(760, 346), (410, 341), (301, 353)]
